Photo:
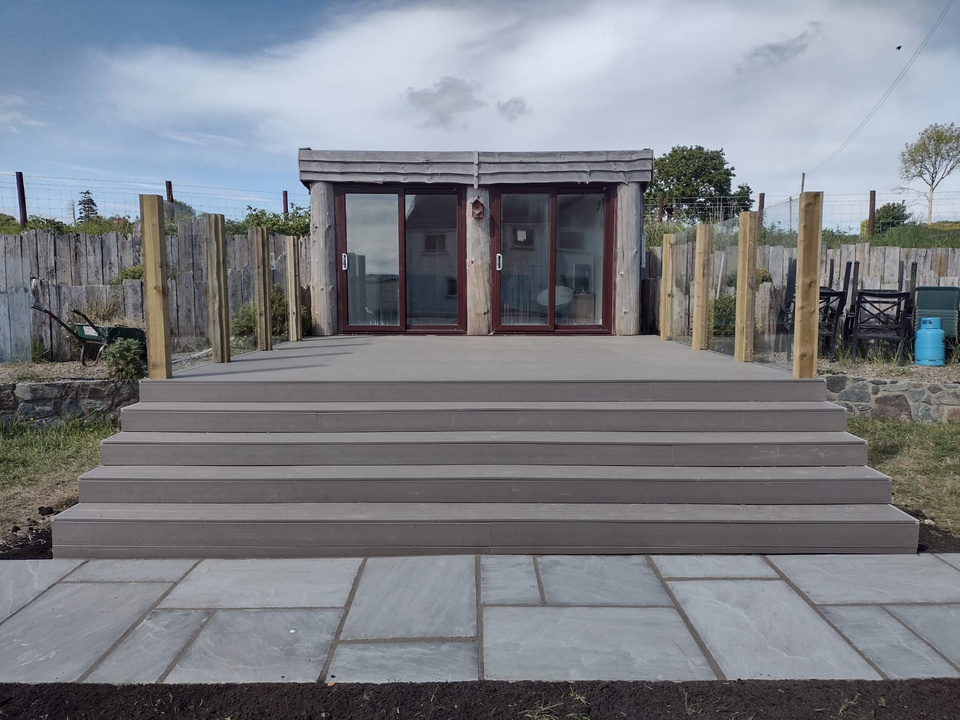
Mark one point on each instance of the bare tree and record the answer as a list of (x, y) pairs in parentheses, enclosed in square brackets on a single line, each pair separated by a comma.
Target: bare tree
[(930, 159)]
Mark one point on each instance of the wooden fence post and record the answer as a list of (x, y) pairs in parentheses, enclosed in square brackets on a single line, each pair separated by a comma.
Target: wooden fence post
[(218, 310), (155, 292), (16, 321), (746, 286), (807, 330), (293, 286), (261, 274), (666, 288), (701, 287)]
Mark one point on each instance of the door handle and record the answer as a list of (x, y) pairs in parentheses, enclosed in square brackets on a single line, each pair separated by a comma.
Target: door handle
[(499, 262), (343, 261)]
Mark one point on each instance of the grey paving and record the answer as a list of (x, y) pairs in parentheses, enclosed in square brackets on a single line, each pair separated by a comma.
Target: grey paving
[(581, 643), (131, 570), (60, 635), (600, 580), (713, 566), (266, 583), (22, 580), (865, 579), (762, 629), (405, 662), (939, 626), (148, 651), (415, 597), (899, 653), (509, 579), (259, 646), (952, 558)]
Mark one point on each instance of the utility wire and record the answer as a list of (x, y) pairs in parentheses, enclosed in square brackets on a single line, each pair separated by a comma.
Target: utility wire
[(893, 85)]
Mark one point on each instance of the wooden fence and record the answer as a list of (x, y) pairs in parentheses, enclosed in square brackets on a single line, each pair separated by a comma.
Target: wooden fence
[(14, 310), (70, 271)]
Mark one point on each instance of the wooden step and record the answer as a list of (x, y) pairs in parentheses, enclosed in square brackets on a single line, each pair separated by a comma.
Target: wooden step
[(484, 483), (352, 529)]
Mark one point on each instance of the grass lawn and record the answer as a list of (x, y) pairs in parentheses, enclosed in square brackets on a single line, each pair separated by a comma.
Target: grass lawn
[(924, 462), (40, 467)]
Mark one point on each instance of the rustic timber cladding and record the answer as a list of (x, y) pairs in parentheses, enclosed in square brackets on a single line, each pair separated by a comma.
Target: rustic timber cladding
[(488, 174)]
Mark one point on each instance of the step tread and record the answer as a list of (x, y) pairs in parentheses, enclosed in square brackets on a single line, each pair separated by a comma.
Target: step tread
[(479, 513)]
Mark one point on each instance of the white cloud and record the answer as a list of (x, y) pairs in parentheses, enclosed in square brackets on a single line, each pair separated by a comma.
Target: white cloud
[(12, 117)]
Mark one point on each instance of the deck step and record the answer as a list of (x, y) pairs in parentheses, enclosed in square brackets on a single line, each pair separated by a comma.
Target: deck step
[(484, 483), (725, 449), (312, 529), (477, 416), (757, 390)]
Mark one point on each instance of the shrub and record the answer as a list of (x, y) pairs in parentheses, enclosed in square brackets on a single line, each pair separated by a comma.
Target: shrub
[(763, 275), (724, 313), (124, 359), (244, 322), (134, 272)]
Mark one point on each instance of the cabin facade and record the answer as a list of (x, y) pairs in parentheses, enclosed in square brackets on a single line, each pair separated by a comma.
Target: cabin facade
[(476, 242)]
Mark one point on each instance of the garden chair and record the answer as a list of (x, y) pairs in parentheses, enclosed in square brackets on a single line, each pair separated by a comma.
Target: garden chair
[(881, 315), (832, 306), (784, 326)]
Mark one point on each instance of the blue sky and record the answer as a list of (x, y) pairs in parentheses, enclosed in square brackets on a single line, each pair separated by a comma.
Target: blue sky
[(223, 93)]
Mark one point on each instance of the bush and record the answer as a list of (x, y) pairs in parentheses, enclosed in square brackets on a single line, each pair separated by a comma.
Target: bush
[(134, 272), (763, 275), (724, 313), (244, 322), (124, 359)]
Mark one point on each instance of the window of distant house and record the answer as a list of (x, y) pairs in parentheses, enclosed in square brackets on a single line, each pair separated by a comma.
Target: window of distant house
[(434, 244)]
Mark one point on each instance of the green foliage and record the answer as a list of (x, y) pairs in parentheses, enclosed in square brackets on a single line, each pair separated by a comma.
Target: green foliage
[(762, 276), (35, 222), (134, 272), (654, 231), (102, 226), (937, 235), (124, 359), (890, 216), (696, 184), (931, 159), (244, 322), (723, 312), (87, 207), (297, 222)]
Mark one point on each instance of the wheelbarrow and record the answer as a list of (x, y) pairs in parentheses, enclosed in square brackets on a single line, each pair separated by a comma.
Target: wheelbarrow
[(95, 338)]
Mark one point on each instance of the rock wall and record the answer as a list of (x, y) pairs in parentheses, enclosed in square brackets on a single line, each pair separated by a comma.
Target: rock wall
[(44, 403), (896, 399)]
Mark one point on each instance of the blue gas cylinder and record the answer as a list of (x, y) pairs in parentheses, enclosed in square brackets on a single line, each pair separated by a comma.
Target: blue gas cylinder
[(930, 342)]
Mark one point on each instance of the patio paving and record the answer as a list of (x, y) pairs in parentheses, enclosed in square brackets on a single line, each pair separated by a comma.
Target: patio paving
[(445, 618)]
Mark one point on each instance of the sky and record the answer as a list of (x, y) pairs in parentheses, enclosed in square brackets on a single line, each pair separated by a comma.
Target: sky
[(222, 94)]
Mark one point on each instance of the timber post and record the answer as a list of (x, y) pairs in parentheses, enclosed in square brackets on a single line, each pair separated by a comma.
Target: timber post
[(666, 288), (807, 329), (155, 293), (746, 286), (701, 287), (294, 325), (261, 254), (218, 310)]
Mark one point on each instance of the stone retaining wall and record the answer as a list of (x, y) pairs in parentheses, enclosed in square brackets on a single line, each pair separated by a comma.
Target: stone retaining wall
[(44, 403), (896, 399)]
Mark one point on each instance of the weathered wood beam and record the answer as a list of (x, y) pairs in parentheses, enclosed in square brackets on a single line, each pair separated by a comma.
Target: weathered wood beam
[(807, 329), (293, 288), (155, 291), (666, 288), (218, 310), (323, 257), (478, 265), (261, 274), (626, 305)]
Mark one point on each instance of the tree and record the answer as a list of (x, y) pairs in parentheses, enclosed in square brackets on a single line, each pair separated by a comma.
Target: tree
[(87, 207), (890, 216), (696, 184), (930, 159)]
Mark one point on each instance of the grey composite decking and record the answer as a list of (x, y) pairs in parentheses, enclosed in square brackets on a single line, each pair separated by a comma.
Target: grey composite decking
[(411, 445)]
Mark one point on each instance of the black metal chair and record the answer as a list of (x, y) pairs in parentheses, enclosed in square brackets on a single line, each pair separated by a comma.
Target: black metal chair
[(832, 306), (785, 314), (882, 315)]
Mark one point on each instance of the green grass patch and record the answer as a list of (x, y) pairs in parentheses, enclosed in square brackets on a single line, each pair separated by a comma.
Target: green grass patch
[(923, 461)]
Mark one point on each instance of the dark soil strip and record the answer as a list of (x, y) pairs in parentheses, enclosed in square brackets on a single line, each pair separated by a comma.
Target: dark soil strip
[(781, 700)]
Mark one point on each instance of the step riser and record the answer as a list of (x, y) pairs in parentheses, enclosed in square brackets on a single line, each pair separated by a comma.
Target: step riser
[(308, 539), (613, 391), (479, 420), (477, 491), (529, 453)]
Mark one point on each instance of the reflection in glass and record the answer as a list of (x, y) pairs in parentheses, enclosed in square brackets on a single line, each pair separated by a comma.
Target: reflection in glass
[(430, 234), (525, 246), (373, 259), (580, 259)]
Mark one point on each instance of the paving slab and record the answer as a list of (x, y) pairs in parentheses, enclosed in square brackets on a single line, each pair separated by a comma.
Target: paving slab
[(22, 580), (762, 629), (509, 579), (404, 662), (148, 651), (938, 625), (951, 558), (61, 634), (713, 566), (866, 579), (589, 643), (266, 583), (259, 646), (434, 596), (169, 570), (892, 647), (600, 580)]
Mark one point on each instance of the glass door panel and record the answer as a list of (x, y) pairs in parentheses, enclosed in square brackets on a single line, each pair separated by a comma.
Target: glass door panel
[(580, 244), (372, 259), (432, 254), (525, 248)]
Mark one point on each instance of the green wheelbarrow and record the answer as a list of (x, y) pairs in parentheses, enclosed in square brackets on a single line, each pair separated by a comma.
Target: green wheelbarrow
[(94, 338)]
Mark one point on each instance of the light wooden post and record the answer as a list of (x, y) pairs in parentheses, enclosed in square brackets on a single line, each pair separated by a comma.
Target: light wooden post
[(746, 286), (218, 308), (807, 330), (666, 288), (293, 288), (155, 293), (261, 274), (701, 287)]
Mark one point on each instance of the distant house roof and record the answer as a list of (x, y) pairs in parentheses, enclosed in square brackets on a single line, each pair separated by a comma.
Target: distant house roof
[(475, 168)]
